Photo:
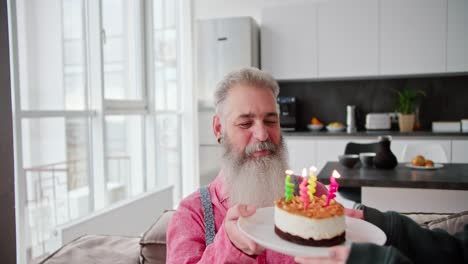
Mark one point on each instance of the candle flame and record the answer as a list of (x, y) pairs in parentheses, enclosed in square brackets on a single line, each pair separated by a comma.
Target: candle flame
[(289, 172), (336, 174), (313, 168), (304, 172)]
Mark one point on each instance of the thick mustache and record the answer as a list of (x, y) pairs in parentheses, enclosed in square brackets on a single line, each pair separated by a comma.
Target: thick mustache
[(265, 145)]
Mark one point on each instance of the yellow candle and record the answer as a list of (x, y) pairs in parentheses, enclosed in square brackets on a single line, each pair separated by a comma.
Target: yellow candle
[(312, 183)]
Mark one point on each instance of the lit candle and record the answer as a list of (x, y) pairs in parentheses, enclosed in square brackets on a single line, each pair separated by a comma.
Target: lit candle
[(288, 186), (312, 171), (312, 182), (303, 189), (333, 186)]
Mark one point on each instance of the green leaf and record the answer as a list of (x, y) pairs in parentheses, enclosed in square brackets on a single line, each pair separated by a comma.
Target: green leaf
[(407, 99)]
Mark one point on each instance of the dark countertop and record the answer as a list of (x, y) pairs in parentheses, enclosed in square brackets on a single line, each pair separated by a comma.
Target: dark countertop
[(450, 177), (395, 134)]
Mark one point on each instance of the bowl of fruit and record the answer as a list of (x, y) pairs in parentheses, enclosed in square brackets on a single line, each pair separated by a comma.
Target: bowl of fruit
[(335, 127), (315, 124), (422, 163)]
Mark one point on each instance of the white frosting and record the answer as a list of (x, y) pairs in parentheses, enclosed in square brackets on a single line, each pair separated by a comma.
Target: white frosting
[(306, 227)]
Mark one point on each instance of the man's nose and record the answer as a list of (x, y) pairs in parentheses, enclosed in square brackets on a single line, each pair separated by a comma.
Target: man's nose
[(260, 132)]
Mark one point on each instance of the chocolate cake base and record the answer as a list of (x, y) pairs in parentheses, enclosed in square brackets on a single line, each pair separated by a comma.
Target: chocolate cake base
[(311, 242)]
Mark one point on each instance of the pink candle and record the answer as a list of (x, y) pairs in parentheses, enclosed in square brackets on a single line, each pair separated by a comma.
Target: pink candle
[(303, 189), (333, 186)]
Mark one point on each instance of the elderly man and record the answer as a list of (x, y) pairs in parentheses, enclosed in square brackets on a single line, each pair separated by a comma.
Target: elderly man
[(204, 230)]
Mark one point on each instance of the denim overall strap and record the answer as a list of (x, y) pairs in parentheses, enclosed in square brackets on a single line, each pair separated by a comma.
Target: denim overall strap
[(208, 215)]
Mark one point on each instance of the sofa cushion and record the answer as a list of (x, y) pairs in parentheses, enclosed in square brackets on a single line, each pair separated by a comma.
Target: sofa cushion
[(424, 218), (98, 249), (452, 224), (153, 242)]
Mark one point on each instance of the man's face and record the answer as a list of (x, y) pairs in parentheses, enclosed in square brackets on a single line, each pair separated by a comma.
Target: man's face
[(250, 117), (254, 156)]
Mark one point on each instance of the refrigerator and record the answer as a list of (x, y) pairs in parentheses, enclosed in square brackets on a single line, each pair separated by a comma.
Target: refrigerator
[(222, 45)]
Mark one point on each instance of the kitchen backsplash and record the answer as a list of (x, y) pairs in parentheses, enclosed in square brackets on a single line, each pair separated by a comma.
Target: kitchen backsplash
[(446, 98)]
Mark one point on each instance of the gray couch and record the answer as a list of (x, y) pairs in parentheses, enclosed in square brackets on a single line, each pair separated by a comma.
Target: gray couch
[(148, 249), (151, 247)]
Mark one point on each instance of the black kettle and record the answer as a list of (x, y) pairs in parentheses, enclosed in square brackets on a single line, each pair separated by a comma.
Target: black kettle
[(384, 158)]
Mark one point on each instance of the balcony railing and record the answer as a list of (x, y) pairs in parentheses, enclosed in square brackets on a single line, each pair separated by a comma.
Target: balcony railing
[(59, 192)]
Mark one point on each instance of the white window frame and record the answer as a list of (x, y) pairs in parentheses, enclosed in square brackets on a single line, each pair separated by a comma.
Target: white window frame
[(101, 107)]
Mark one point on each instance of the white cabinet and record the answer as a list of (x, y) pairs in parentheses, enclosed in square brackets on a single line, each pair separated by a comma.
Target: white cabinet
[(223, 45), (457, 36), (415, 200), (210, 162), (289, 41), (397, 146), (460, 151), (302, 153), (205, 129), (338, 38), (348, 38), (210, 152), (413, 36), (329, 150)]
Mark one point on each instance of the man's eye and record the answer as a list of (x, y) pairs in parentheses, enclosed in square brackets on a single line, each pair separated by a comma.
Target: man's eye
[(245, 125), (270, 122)]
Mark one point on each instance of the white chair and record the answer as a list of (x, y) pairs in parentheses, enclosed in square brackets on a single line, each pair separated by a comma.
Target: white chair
[(434, 152)]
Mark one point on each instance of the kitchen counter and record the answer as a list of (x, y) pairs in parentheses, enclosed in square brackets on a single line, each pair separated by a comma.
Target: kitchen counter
[(450, 177), (395, 134), (404, 189)]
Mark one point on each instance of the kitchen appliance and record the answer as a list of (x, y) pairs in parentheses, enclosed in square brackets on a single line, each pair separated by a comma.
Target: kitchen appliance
[(378, 121), (443, 126), (464, 125), (223, 45), (351, 118), (288, 112)]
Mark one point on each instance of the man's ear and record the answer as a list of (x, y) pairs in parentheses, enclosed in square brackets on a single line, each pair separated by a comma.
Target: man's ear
[(217, 127)]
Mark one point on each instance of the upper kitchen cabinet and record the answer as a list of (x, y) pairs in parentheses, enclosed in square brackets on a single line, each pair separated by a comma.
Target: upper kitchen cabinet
[(348, 38), (457, 36), (413, 36), (289, 41), (223, 45)]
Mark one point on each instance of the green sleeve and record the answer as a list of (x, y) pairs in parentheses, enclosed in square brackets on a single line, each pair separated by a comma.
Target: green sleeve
[(418, 244), (370, 253)]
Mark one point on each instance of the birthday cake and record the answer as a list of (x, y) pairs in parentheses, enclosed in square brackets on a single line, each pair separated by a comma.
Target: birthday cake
[(310, 220)]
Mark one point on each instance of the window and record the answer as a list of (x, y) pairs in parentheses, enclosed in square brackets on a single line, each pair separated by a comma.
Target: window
[(99, 112)]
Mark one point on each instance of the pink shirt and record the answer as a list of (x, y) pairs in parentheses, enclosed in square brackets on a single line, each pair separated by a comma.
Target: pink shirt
[(186, 233)]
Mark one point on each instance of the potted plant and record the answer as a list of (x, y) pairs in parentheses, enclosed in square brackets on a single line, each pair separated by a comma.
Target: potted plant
[(406, 107)]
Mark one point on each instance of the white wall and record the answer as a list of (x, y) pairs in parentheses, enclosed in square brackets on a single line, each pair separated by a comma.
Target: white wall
[(205, 9)]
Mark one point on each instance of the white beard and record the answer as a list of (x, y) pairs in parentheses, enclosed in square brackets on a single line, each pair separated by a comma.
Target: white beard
[(251, 180)]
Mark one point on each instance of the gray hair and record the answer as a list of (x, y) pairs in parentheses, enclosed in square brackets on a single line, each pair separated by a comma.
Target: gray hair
[(247, 76)]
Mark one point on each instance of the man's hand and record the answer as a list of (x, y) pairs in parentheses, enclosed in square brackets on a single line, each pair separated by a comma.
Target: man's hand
[(336, 255), (243, 243)]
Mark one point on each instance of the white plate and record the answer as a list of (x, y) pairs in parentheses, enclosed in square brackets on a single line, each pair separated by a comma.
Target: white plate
[(335, 129), (260, 228), (314, 127), (436, 166)]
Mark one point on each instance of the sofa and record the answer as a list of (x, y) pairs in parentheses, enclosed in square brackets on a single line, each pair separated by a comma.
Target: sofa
[(150, 248)]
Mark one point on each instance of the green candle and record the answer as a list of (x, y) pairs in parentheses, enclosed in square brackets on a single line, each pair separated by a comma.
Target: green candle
[(288, 186)]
